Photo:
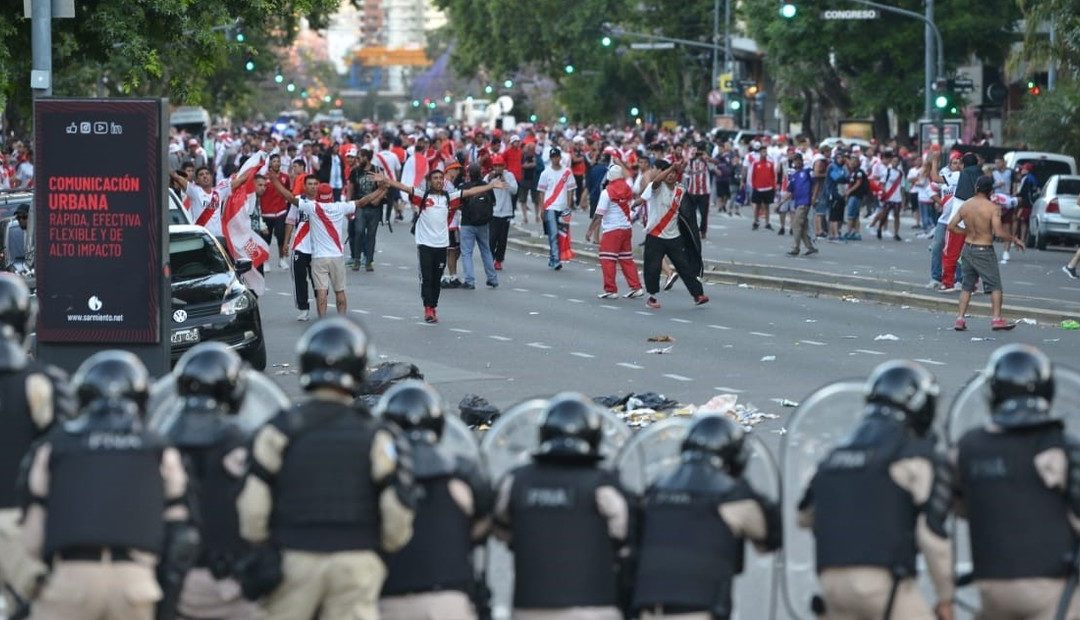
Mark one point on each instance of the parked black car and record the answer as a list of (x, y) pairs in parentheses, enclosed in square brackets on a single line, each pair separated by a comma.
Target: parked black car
[(209, 300)]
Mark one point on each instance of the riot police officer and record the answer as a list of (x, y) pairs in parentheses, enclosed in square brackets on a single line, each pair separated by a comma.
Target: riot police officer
[(694, 526), (1018, 485), (432, 577), (878, 499), (327, 486), (34, 395), (211, 383), (104, 495), (565, 519)]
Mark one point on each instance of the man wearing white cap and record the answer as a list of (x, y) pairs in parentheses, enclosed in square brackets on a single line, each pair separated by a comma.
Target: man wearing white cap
[(613, 219), (195, 154)]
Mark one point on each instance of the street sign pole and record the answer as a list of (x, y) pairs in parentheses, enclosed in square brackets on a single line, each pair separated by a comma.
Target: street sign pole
[(41, 48)]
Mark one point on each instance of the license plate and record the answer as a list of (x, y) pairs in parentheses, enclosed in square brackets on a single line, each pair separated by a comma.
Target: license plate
[(185, 336)]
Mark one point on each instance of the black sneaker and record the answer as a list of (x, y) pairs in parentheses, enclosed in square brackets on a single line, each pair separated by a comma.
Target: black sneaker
[(1070, 271), (879, 234), (454, 283), (493, 284), (781, 233), (469, 286), (897, 238), (755, 226), (768, 226)]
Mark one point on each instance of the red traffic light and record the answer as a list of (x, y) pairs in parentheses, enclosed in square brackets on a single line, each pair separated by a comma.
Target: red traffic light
[(1035, 90)]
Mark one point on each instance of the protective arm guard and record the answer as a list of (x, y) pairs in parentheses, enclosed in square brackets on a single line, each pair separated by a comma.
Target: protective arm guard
[(936, 508), (65, 406), (774, 528), (181, 552), (480, 484), (403, 481), (1072, 477)]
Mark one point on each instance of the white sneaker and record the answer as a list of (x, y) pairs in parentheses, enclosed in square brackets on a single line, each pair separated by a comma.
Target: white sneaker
[(934, 284), (283, 263), (304, 315), (634, 294), (1005, 257), (607, 295)]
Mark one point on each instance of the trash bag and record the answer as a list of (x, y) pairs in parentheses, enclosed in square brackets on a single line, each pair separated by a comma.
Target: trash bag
[(477, 411), (652, 400), (384, 375), (611, 401)]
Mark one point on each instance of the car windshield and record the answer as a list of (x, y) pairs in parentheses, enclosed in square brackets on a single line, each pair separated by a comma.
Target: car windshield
[(195, 256), (1070, 187), (1045, 168)]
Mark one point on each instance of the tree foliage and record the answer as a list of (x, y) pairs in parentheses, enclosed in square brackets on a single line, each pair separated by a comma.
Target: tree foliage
[(864, 67), (175, 48)]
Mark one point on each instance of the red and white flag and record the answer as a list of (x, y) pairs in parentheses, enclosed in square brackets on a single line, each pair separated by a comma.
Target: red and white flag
[(415, 170), (242, 241)]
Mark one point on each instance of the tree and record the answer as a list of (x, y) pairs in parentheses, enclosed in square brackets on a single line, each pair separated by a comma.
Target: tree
[(866, 67), (186, 50)]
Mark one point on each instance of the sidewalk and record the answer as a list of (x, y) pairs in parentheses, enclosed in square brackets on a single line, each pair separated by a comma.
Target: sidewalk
[(884, 271)]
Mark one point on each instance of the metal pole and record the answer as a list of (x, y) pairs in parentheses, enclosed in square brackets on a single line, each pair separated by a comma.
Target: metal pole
[(715, 56), (928, 63), (41, 42), (1051, 73)]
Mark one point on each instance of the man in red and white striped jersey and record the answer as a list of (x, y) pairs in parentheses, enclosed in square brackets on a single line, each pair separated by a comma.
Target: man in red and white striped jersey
[(695, 208)]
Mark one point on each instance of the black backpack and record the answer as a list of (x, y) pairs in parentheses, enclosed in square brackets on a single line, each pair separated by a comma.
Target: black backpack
[(477, 210)]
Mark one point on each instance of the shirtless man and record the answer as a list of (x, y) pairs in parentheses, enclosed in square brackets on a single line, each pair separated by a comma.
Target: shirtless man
[(981, 222)]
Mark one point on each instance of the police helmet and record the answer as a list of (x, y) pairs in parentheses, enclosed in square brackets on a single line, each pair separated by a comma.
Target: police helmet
[(112, 378), (719, 438), (908, 387), (213, 373), (415, 407), (1021, 386), (16, 308), (333, 353), (570, 428)]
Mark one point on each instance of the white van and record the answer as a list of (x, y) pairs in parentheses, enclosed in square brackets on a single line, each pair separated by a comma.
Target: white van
[(1045, 165)]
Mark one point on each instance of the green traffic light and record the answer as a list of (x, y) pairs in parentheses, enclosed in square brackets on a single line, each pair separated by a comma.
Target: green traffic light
[(606, 41), (735, 105), (569, 69), (249, 65), (303, 94), (326, 99), (508, 84), (788, 10), (533, 118), (416, 103), (562, 119), (290, 87), (634, 111), (239, 37), (447, 99), (279, 78), (489, 89), (941, 101)]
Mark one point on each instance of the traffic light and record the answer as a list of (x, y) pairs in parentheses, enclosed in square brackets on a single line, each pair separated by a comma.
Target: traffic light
[(562, 119), (569, 69), (634, 111), (279, 78), (303, 94), (508, 84), (788, 10), (249, 64), (489, 89), (291, 87), (533, 118), (941, 102), (606, 41), (1034, 89), (239, 36), (326, 99), (447, 99), (416, 103), (734, 104)]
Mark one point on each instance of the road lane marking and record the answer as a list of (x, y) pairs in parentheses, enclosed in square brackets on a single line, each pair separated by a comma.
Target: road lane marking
[(681, 321), (392, 317), (500, 338), (719, 327), (643, 313), (728, 390), (574, 301), (538, 345), (460, 330), (283, 294), (583, 355), (762, 334), (630, 366), (361, 311), (549, 295), (813, 342), (931, 362), (522, 290), (609, 307), (869, 351), (678, 377)]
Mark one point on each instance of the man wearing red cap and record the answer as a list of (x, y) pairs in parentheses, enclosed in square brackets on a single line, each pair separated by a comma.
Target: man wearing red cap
[(613, 219), (326, 220), (504, 207)]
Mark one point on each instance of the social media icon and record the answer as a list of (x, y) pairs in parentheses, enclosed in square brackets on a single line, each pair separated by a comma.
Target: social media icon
[(101, 127), (94, 303), (116, 129), (73, 128), (84, 127)]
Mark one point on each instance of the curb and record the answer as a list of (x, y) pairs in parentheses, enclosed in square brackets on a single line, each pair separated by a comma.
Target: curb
[(716, 272)]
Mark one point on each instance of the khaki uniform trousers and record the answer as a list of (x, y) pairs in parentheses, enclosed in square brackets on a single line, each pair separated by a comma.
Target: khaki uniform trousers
[(863, 594), (102, 590), (1023, 599), (340, 586), (212, 599), (449, 605), (574, 613)]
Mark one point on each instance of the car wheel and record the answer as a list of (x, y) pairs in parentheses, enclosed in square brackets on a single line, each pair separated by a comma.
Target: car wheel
[(1040, 239), (257, 357)]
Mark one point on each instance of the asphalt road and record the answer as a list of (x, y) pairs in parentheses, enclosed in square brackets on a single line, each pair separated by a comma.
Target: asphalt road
[(541, 332)]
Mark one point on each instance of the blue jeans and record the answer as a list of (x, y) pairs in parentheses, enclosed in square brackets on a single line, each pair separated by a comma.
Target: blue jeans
[(852, 211), (367, 226), (551, 227), (927, 215), (480, 236)]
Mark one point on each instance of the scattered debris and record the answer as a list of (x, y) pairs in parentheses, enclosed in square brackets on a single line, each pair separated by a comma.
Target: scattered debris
[(386, 374), (1070, 324), (978, 339), (1027, 321), (664, 338), (477, 411), (810, 321), (851, 299), (886, 337), (1051, 339), (769, 358), (744, 285), (784, 402), (661, 350)]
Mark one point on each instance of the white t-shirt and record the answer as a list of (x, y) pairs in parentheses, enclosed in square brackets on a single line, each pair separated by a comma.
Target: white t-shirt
[(1002, 180), (201, 200), (658, 202), (433, 224), (327, 221), (947, 189), (301, 240), (613, 216), (549, 180), (24, 173)]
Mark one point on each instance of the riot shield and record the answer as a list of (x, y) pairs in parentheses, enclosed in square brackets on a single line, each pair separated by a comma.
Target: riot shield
[(262, 399), (656, 451), (509, 443), (819, 423), (970, 410)]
